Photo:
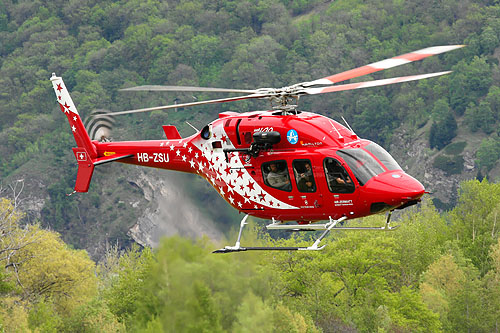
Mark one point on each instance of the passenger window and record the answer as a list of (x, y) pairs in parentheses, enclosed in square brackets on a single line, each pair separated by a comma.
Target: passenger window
[(276, 175), (304, 175), (337, 178)]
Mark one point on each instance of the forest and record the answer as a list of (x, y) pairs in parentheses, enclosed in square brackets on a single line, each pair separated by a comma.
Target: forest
[(439, 271), (436, 273)]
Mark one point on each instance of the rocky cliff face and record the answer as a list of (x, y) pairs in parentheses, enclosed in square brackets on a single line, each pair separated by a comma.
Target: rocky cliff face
[(411, 150), (169, 211)]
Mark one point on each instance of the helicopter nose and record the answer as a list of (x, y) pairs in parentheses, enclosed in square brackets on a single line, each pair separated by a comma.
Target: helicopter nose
[(394, 188)]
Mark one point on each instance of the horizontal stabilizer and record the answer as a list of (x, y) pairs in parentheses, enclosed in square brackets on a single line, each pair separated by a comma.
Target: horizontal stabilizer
[(111, 158)]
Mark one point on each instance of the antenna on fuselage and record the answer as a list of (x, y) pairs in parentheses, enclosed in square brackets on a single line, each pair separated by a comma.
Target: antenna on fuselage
[(336, 130), (197, 130), (349, 127)]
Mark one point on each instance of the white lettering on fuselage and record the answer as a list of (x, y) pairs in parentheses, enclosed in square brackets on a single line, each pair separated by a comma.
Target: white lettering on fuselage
[(342, 202), (263, 129), (155, 157)]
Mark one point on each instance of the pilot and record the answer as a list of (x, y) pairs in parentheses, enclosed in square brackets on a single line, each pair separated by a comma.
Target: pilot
[(339, 179), (278, 179)]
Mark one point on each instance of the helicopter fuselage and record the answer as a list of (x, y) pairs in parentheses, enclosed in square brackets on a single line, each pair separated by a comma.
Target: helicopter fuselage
[(316, 169)]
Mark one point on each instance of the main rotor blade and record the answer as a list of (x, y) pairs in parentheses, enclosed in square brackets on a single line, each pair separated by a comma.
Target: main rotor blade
[(367, 84), (384, 64), (174, 106), (186, 88)]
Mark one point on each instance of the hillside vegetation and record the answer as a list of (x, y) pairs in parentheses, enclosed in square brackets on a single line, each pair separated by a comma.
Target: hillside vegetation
[(435, 273), (99, 47), (438, 272)]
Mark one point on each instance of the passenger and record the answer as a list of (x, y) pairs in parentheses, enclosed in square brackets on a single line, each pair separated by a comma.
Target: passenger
[(308, 173), (309, 186), (278, 179)]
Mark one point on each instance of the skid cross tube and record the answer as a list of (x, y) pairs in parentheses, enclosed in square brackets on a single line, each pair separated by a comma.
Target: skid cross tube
[(238, 248)]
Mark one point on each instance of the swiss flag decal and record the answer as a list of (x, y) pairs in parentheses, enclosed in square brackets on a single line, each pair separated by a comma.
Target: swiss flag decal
[(81, 156)]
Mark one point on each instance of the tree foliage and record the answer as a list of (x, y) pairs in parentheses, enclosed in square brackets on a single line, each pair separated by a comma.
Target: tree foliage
[(437, 272)]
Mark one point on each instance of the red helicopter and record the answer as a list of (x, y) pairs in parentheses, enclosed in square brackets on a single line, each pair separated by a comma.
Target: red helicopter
[(282, 164)]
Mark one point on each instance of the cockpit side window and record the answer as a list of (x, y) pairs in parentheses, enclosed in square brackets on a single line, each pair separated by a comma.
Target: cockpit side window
[(362, 164), (337, 178), (275, 174), (304, 175)]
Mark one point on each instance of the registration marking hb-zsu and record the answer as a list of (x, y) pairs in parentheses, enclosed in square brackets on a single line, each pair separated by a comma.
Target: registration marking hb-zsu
[(155, 157)]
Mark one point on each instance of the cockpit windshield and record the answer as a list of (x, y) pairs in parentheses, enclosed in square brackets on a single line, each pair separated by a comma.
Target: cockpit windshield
[(362, 164), (383, 156)]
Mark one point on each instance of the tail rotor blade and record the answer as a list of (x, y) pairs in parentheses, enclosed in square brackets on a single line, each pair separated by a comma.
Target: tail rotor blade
[(99, 124)]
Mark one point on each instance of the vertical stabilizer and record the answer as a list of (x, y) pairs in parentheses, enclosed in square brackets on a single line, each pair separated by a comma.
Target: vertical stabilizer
[(75, 122), (86, 152)]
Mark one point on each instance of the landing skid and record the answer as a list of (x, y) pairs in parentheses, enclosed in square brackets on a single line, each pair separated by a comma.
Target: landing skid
[(331, 225), (228, 249), (238, 248)]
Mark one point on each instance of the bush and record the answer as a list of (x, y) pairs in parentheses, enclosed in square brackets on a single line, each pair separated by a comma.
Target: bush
[(452, 165)]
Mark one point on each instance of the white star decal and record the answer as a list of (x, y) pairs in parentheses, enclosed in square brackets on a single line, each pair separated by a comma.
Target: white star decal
[(73, 128), (196, 155), (74, 118), (172, 147), (190, 150), (184, 158), (200, 166), (239, 204), (192, 163), (231, 199), (178, 152), (185, 144), (221, 191)]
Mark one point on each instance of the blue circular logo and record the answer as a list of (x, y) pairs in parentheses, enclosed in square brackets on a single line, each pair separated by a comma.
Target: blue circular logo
[(292, 136)]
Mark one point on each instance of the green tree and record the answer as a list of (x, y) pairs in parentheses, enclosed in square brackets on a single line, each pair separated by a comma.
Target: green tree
[(473, 221), (93, 317), (440, 283), (488, 153), (48, 269), (44, 317), (124, 278), (491, 299), (444, 126), (420, 240), (375, 121)]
